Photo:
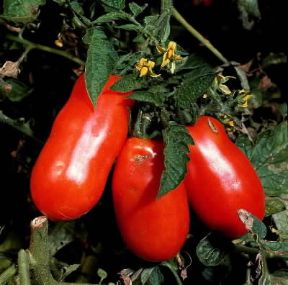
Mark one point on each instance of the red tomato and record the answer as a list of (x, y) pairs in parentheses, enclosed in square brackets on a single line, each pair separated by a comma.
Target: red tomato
[(71, 171), (153, 228), (221, 180)]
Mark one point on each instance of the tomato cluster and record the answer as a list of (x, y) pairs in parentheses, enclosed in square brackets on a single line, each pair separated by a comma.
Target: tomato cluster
[(71, 172)]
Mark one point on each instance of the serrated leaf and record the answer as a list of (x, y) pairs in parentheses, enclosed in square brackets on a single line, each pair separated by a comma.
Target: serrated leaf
[(136, 9), (270, 158), (116, 4), (100, 61), (128, 83), (148, 97), (176, 139), (21, 11), (274, 205), (195, 84), (209, 254), (112, 16)]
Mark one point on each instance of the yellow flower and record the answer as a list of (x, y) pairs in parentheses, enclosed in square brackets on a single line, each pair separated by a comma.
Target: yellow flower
[(244, 101), (169, 55), (219, 83), (145, 67)]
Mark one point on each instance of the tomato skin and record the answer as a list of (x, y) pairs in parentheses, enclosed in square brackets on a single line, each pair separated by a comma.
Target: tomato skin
[(221, 180), (70, 173), (154, 229)]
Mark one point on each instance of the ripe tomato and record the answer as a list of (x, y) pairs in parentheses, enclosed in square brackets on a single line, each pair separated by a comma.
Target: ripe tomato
[(70, 173), (221, 180), (153, 228)]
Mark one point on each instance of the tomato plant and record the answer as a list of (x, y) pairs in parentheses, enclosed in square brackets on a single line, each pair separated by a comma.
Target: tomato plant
[(153, 228), (70, 174), (221, 180), (183, 65)]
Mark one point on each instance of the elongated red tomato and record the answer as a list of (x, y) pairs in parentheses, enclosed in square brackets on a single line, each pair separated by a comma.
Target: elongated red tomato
[(70, 173), (153, 228), (221, 180)]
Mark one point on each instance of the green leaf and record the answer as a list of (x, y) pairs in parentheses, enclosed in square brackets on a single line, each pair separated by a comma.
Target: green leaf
[(150, 24), (115, 4), (136, 9), (14, 89), (281, 220), (112, 16), (100, 61), (152, 276), (252, 223), (60, 235), (210, 254), (274, 205), (77, 8), (269, 157), (148, 97), (129, 27), (128, 83), (162, 27), (21, 11), (158, 26), (195, 84), (176, 139)]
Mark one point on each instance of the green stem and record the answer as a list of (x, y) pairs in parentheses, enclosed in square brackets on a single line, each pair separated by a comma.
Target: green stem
[(40, 256), (166, 4), (23, 267), (198, 36), (7, 274), (32, 45)]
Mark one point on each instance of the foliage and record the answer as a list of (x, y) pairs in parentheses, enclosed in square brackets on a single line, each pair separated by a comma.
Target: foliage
[(175, 80)]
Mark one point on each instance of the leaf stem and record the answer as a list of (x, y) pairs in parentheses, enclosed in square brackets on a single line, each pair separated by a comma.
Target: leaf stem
[(198, 36), (32, 45)]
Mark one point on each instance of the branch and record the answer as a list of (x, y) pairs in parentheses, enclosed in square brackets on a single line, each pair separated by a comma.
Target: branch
[(198, 36), (32, 45)]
